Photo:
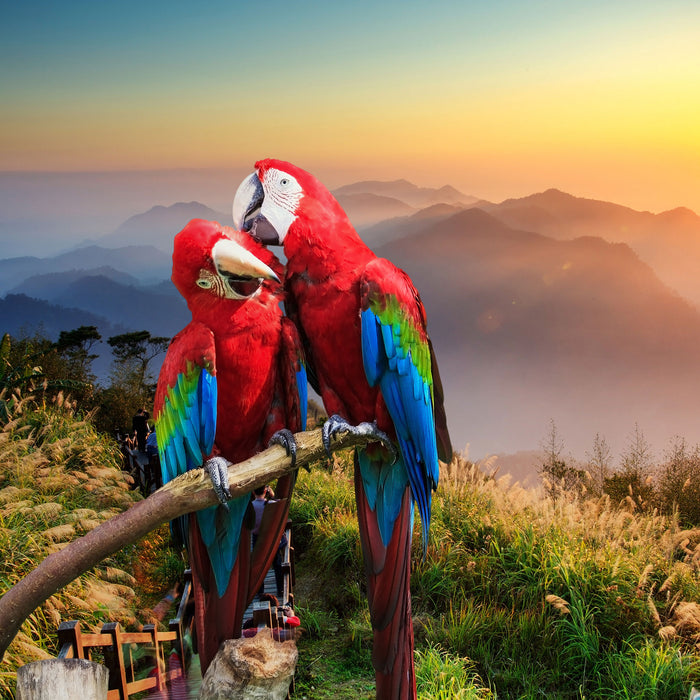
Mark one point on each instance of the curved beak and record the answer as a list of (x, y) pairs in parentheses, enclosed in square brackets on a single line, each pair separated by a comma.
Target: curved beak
[(247, 216), (235, 262)]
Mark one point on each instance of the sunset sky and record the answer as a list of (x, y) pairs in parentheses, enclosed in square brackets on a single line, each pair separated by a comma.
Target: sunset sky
[(499, 98)]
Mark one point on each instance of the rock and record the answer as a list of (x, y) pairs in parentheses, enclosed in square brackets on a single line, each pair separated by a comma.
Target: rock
[(250, 668)]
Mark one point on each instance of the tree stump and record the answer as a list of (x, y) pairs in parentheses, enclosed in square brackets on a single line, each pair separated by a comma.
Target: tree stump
[(251, 669), (55, 679)]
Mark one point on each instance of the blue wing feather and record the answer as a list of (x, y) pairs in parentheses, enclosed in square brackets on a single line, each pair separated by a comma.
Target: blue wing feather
[(408, 398), (303, 391)]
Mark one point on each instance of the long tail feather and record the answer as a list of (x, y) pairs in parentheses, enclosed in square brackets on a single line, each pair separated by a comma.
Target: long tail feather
[(217, 618), (388, 570)]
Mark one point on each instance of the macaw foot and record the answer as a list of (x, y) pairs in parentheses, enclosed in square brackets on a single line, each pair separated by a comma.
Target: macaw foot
[(285, 438), (217, 468), (336, 424)]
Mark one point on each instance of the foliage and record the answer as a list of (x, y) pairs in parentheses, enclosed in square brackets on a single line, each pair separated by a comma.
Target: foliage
[(131, 384), (133, 353), (74, 346), (59, 479), (678, 482), (558, 476)]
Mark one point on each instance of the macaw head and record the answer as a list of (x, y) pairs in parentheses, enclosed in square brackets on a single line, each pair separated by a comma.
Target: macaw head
[(280, 201), (211, 261)]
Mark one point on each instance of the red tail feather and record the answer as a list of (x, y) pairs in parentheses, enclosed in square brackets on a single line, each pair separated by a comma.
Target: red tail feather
[(388, 571)]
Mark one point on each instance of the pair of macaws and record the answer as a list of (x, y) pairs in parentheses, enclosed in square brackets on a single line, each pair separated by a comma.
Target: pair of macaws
[(234, 379)]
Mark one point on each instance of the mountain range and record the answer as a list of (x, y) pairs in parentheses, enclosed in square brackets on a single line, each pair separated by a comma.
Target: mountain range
[(547, 307)]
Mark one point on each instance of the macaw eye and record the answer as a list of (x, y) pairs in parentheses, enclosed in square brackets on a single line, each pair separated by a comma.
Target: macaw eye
[(204, 283), (284, 182)]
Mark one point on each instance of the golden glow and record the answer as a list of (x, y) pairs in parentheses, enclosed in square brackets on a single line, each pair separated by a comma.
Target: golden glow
[(603, 107)]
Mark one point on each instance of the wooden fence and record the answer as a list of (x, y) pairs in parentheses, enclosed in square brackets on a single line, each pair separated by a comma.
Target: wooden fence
[(116, 647)]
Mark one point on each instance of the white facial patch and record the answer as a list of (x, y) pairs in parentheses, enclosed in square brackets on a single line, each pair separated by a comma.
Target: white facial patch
[(282, 196)]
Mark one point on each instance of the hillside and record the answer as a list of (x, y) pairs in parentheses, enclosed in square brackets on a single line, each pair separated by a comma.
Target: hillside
[(158, 225), (405, 191), (517, 596), (145, 263), (21, 315), (669, 241), (365, 208), (51, 285), (528, 328), (135, 308)]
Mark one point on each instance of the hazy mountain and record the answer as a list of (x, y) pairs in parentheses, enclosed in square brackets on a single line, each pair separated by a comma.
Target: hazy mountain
[(669, 242), (44, 213), (405, 191), (402, 226), (51, 285), (365, 208), (22, 316), (529, 328), (135, 308), (158, 226), (534, 316), (145, 263)]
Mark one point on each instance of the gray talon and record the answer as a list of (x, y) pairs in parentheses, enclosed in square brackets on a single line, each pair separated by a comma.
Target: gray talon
[(337, 424), (217, 468), (285, 438)]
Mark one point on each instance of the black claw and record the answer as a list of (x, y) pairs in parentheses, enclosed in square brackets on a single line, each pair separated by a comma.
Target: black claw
[(336, 424), (285, 438), (333, 425)]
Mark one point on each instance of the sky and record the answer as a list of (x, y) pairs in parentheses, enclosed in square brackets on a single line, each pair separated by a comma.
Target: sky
[(500, 98)]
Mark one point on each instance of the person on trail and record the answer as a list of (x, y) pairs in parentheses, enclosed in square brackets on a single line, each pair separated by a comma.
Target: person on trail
[(139, 425)]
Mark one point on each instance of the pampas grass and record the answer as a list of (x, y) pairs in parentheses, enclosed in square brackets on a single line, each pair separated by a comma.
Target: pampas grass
[(59, 479)]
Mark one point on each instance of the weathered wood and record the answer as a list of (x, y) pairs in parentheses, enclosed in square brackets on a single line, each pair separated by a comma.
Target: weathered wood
[(51, 679), (188, 493)]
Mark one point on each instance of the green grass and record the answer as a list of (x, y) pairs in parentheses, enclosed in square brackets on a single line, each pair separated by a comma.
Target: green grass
[(518, 596)]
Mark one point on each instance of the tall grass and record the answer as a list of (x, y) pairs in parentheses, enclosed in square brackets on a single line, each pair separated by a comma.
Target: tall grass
[(527, 596), (59, 479)]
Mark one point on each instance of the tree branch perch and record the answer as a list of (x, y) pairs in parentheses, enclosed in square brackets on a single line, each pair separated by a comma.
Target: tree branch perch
[(188, 493)]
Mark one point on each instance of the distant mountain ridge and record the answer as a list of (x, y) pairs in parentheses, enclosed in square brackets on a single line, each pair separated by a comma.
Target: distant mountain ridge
[(669, 241), (405, 191), (157, 227), (544, 307), (577, 330), (145, 263)]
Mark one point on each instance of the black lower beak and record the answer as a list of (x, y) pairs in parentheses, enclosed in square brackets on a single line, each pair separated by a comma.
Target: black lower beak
[(263, 231)]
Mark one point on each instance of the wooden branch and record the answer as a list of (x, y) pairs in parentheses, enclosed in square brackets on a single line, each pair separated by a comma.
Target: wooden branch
[(188, 493)]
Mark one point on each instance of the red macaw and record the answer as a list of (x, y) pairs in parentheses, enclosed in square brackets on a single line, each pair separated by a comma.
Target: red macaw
[(369, 357), (232, 381)]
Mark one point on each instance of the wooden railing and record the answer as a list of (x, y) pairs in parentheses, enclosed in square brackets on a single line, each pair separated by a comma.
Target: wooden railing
[(116, 649)]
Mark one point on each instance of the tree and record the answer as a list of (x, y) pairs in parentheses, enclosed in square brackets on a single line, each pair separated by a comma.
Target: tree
[(133, 352), (131, 384), (75, 347), (599, 464), (633, 482), (678, 485), (558, 477)]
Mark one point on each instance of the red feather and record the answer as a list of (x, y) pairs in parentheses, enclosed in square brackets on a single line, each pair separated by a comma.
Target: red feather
[(327, 265), (242, 342)]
